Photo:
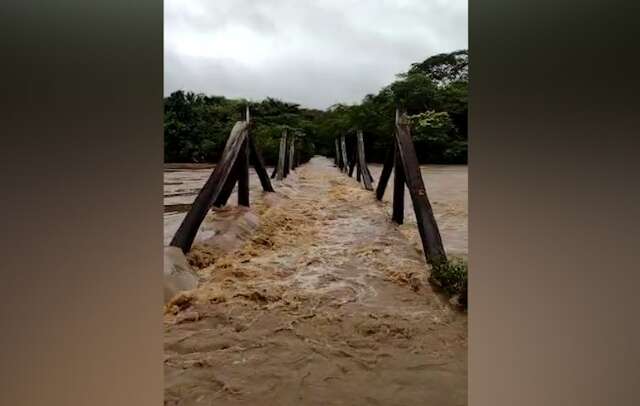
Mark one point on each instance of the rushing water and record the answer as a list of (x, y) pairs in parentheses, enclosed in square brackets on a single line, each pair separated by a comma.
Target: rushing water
[(447, 188), (322, 300)]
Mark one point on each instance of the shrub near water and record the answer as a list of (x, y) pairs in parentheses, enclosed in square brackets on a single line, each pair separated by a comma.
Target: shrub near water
[(451, 277)]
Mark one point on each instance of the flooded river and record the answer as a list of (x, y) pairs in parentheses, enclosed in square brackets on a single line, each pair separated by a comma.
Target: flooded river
[(447, 187), (314, 297)]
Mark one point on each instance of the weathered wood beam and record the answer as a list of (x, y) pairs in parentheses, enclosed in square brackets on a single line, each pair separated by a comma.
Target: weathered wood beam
[(228, 186), (398, 189), (243, 174), (286, 156), (386, 172), (426, 222), (345, 160), (258, 165), (188, 229), (291, 152), (352, 161), (363, 169), (341, 163), (337, 157), (281, 156)]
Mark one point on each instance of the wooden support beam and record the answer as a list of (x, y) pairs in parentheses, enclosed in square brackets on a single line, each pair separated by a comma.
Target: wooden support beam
[(291, 152), (341, 162), (426, 222), (352, 160), (363, 169), (386, 172), (345, 160), (243, 174), (398, 189), (258, 165), (294, 162), (209, 193), (281, 156), (286, 156), (227, 187), (337, 158)]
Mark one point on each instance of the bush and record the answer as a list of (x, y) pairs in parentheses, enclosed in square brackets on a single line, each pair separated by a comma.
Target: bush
[(451, 277)]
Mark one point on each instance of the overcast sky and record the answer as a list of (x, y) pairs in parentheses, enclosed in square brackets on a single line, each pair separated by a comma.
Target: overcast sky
[(312, 52)]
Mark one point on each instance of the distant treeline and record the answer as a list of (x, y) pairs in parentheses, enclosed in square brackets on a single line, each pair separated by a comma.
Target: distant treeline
[(434, 93)]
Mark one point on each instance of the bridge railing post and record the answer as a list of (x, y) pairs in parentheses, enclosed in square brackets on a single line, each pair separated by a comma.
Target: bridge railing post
[(345, 160), (278, 171), (363, 169), (426, 222), (232, 167), (291, 152), (386, 171), (398, 187)]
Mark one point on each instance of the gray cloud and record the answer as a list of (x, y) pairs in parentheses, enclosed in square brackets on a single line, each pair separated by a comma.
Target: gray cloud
[(315, 53)]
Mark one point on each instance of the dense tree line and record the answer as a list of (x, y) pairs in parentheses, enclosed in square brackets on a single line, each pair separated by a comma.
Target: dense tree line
[(433, 92)]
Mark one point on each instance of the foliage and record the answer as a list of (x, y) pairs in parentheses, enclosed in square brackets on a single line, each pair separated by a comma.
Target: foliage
[(197, 126), (434, 92), (451, 277), (445, 68)]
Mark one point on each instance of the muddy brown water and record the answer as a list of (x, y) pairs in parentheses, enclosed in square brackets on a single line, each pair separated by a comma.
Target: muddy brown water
[(325, 303)]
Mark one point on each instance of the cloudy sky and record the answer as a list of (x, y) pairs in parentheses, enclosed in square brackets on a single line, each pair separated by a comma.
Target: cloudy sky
[(312, 52)]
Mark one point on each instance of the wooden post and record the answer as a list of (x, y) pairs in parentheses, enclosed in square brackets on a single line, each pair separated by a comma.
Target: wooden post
[(227, 187), (294, 161), (426, 222), (281, 156), (398, 189), (258, 165), (291, 152), (345, 160), (363, 169), (243, 174), (286, 157), (209, 193), (337, 160), (386, 172), (353, 159)]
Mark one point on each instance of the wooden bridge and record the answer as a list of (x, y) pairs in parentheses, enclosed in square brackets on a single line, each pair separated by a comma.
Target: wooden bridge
[(326, 301), (241, 151)]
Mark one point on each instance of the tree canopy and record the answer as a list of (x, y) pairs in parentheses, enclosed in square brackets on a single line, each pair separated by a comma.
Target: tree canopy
[(434, 93)]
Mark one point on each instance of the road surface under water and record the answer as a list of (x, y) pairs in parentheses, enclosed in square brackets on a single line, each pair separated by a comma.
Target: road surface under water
[(322, 301)]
